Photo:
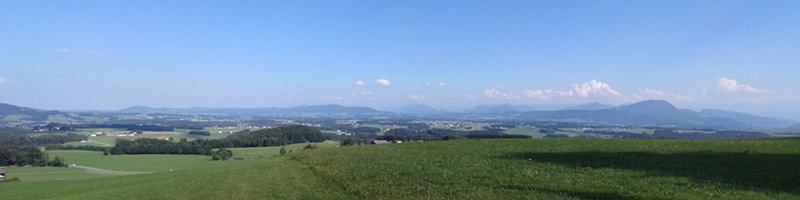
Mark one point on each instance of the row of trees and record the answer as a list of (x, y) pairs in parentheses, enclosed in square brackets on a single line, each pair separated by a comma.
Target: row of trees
[(29, 155), (155, 146), (24, 140), (280, 136), (201, 133)]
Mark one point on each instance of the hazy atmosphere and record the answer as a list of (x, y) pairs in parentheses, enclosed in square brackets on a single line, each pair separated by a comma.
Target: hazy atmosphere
[(104, 55)]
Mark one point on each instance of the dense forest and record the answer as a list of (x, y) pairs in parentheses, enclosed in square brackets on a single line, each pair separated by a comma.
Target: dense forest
[(24, 140)]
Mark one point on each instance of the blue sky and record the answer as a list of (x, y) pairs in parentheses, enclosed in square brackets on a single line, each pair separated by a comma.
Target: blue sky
[(734, 55)]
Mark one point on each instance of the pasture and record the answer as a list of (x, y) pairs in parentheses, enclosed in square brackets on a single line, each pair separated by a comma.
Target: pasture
[(51, 173), (571, 169)]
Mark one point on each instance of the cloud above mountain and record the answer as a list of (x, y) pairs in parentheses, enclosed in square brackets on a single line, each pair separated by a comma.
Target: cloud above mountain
[(727, 85), (582, 90)]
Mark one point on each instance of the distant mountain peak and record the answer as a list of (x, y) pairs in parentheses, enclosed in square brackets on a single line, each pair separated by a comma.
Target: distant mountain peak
[(650, 106)]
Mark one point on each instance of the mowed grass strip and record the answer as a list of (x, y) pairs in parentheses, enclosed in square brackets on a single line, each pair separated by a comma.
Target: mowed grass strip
[(29, 174), (140, 163)]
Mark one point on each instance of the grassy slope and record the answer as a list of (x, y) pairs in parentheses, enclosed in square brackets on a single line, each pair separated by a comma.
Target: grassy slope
[(51, 173), (138, 163), (475, 169), (266, 180)]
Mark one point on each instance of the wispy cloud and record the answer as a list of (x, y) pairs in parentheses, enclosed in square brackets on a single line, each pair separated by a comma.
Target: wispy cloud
[(727, 85), (416, 97), (360, 83), (383, 82), (442, 84), (80, 53), (2, 80)]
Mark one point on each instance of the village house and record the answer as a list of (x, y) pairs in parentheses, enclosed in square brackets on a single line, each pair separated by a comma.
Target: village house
[(162, 138), (2, 174)]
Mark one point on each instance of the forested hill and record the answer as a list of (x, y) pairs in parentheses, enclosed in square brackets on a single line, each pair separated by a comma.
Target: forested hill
[(23, 113)]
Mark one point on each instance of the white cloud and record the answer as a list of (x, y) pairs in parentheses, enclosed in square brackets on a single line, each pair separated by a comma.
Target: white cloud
[(494, 93), (594, 87), (383, 82), (547, 94), (732, 86), (366, 93), (360, 83), (442, 84), (591, 88), (471, 96), (416, 97), (2, 80)]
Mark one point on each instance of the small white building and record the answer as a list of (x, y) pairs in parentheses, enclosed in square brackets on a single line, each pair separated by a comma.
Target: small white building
[(2, 174)]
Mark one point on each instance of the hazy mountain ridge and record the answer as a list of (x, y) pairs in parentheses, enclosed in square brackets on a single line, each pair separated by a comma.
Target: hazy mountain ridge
[(645, 113), (331, 108), (754, 120)]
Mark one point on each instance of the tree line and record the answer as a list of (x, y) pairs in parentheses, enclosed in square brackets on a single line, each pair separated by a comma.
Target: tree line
[(280, 136), (24, 140), (28, 155)]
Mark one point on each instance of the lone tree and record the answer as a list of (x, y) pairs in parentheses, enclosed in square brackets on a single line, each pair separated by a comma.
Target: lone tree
[(283, 151), (222, 154), (58, 162)]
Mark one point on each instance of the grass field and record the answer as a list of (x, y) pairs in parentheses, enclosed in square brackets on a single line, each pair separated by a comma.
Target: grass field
[(139, 163), (51, 173), (270, 152), (473, 169)]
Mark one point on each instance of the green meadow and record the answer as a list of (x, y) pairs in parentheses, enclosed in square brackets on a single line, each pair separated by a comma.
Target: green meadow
[(471, 169), (139, 163), (29, 174)]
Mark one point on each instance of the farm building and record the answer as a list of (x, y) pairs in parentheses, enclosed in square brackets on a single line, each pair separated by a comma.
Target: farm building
[(380, 142), (2, 174), (162, 138)]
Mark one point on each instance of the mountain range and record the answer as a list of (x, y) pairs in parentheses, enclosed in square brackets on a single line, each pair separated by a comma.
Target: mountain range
[(645, 113)]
